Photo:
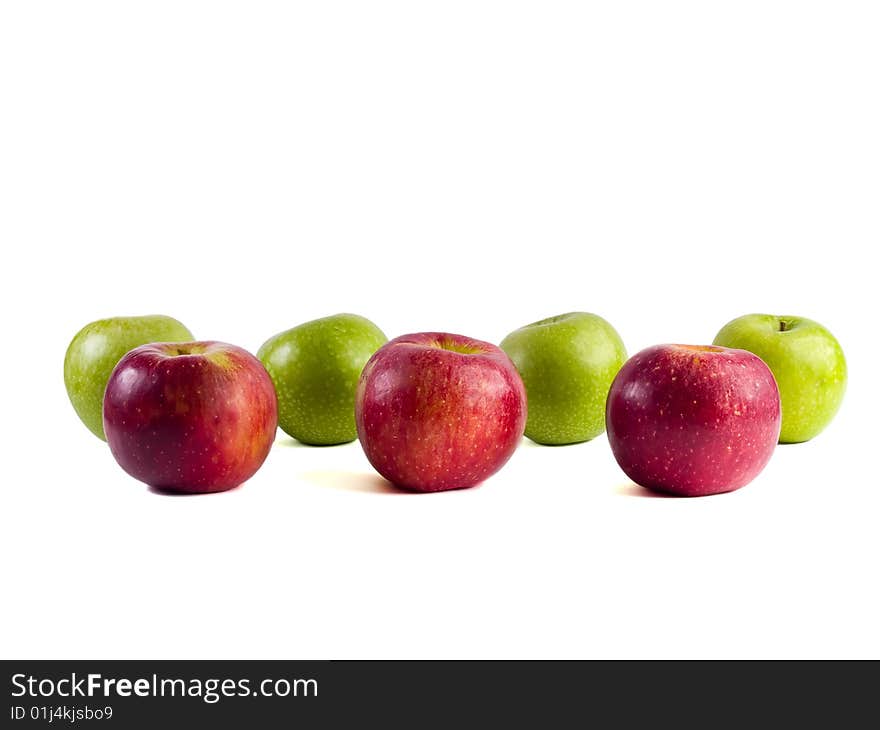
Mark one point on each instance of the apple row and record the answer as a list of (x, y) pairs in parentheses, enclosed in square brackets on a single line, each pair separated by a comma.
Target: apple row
[(436, 411)]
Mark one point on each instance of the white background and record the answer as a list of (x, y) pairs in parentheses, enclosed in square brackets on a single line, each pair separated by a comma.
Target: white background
[(463, 166)]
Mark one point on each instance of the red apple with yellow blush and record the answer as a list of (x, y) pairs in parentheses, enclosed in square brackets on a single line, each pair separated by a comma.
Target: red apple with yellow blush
[(438, 411), (190, 417)]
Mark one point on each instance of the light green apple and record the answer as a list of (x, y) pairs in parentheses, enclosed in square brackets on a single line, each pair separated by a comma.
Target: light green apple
[(807, 362), (95, 350), (567, 364), (315, 367)]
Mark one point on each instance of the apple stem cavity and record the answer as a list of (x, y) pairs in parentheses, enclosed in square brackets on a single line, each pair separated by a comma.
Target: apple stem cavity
[(459, 347), (188, 348)]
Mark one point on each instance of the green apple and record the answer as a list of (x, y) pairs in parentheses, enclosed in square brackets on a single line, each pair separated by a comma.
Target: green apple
[(95, 350), (315, 367), (567, 364), (807, 362)]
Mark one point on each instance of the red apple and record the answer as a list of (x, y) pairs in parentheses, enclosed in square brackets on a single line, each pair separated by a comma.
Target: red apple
[(693, 420), (190, 417), (436, 411)]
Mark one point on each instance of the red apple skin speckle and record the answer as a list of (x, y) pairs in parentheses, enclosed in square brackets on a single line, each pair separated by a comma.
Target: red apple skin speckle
[(693, 420), (202, 421), (437, 411)]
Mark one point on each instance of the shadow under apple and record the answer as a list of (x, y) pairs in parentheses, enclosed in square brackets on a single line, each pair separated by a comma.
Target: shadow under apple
[(163, 492), (352, 481), (632, 489)]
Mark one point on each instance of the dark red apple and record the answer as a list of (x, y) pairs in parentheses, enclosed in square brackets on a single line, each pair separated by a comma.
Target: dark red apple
[(693, 420), (437, 411), (190, 417)]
